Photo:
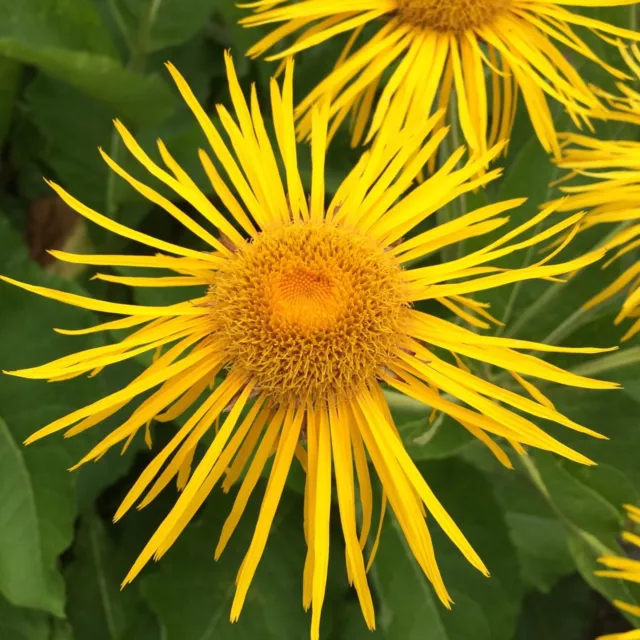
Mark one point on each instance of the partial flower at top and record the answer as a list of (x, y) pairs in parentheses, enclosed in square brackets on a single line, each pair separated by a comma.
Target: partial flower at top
[(302, 315), (433, 46), (621, 568)]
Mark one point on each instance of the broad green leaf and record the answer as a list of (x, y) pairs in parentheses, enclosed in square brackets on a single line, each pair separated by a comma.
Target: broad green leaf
[(73, 126), (71, 24), (10, 78), (589, 508), (191, 594), (539, 537), (422, 438), (60, 630), (36, 515), (157, 24), (17, 623), (489, 607), (615, 415), (565, 613), (588, 499), (541, 545), (97, 607), (585, 553), (126, 93), (440, 439), (37, 482), (232, 34), (69, 41), (349, 623)]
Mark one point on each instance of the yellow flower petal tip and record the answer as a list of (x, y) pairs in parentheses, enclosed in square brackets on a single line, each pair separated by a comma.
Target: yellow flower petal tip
[(486, 52), (302, 308), (623, 568)]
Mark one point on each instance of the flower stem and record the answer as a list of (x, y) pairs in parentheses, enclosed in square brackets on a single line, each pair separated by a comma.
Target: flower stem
[(617, 360)]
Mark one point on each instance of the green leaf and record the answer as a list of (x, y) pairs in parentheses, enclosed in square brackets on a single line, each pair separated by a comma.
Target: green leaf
[(72, 24), (350, 625), (68, 40), (563, 614), (489, 607), (423, 439), (98, 608), (191, 594), (10, 78), (539, 537), (589, 499), (73, 126), (613, 414), (36, 515), (585, 553), (541, 544), (23, 624), (443, 438), (157, 24), (30, 316), (40, 497)]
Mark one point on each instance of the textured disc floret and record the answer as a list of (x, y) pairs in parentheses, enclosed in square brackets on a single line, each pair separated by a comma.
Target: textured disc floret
[(309, 310), (451, 15)]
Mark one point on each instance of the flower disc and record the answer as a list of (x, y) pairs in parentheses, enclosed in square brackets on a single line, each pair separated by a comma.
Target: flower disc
[(309, 310), (450, 15)]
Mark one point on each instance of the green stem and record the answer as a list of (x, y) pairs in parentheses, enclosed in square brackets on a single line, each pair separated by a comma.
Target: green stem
[(122, 25), (567, 326), (515, 291), (618, 360), (458, 206), (138, 49)]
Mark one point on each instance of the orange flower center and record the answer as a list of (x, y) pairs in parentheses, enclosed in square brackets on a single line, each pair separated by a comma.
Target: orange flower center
[(304, 297), (309, 310), (451, 15)]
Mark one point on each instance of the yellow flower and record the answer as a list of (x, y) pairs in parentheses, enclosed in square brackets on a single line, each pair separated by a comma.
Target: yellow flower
[(302, 311), (624, 569), (626, 106), (611, 195), (433, 46)]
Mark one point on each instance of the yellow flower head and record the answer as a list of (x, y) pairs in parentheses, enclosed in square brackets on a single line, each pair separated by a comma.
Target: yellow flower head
[(624, 569), (302, 312), (611, 195), (433, 46)]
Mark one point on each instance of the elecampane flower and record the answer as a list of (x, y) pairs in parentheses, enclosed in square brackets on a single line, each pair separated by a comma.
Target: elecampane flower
[(626, 105), (611, 195), (621, 568), (302, 312), (434, 46)]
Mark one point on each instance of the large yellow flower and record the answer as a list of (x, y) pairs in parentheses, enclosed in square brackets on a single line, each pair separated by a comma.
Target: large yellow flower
[(435, 45), (302, 311), (624, 569)]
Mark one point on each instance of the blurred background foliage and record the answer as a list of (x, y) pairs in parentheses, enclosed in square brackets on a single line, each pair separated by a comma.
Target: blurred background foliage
[(67, 67)]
